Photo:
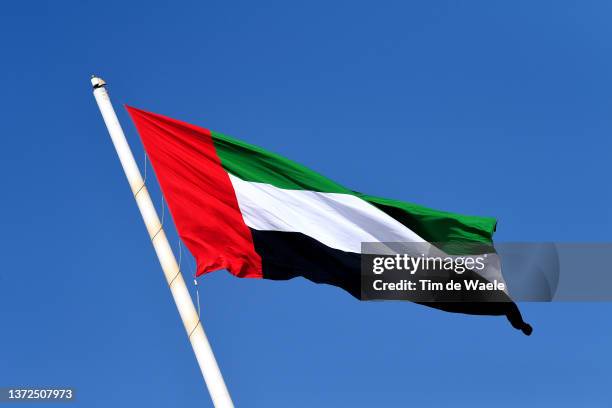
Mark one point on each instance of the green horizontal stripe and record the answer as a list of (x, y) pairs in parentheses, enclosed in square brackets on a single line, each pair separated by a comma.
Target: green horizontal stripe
[(252, 163)]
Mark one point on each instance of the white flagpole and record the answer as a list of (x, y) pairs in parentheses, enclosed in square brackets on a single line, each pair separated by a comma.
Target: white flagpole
[(201, 347)]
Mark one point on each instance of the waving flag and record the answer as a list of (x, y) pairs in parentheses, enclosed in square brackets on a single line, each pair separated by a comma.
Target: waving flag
[(259, 215)]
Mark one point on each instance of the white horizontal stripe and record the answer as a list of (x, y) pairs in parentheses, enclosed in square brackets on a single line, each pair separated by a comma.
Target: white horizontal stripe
[(340, 221)]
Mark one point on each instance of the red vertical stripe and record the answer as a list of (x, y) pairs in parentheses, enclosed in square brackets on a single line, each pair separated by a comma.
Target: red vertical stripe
[(199, 193)]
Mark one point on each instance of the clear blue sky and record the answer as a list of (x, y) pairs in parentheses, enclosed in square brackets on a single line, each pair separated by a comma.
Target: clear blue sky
[(489, 108)]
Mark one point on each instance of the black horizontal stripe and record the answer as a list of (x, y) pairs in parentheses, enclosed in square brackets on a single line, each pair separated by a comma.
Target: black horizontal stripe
[(286, 255)]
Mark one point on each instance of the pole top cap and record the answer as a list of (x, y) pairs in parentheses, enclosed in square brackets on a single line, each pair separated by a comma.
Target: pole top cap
[(97, 82)]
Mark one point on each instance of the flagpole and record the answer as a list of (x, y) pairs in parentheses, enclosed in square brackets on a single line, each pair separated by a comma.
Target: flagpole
[(195, 332)]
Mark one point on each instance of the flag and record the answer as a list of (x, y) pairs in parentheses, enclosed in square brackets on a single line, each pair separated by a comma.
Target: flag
[(259, 215)]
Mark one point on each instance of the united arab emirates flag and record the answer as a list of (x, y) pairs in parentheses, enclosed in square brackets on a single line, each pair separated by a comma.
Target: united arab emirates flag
[(259, 215)]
